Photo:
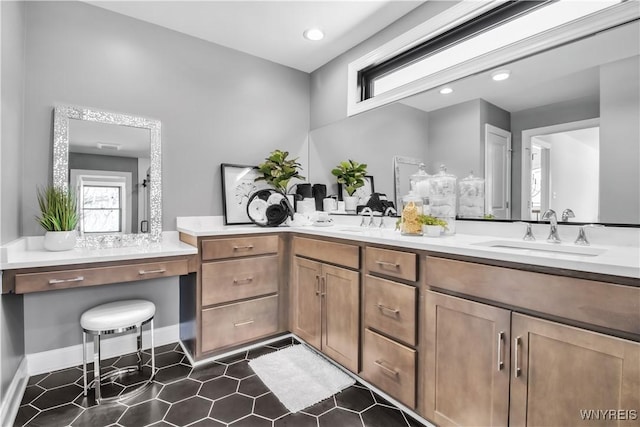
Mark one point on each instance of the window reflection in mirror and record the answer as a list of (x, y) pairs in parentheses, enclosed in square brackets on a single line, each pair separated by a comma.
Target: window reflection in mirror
[(592, 84), (109, 171)]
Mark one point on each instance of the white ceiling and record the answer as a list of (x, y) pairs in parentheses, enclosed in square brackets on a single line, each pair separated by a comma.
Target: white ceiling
[(125, 141), (272, 29)]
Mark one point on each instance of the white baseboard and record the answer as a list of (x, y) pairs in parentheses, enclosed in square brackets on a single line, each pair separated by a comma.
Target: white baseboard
[(67, 357), (13, 395)]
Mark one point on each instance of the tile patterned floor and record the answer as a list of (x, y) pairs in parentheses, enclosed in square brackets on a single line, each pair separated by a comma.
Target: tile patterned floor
[(222, 393)]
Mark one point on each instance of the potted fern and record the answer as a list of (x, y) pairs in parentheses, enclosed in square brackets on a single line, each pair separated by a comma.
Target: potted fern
[(277, 170), (351, 175), (59, 217)]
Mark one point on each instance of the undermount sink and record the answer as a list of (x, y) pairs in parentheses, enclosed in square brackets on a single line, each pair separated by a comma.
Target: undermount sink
[(544, 247)]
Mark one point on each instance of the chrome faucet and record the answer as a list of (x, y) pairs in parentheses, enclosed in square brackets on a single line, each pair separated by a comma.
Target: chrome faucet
[(566, 214), (387, 212), (366, 210), (550, 215), (528, 235), (582, 235)]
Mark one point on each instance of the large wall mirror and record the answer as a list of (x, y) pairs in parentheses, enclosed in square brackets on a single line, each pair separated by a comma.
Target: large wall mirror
[(562, 132), (111, 162)]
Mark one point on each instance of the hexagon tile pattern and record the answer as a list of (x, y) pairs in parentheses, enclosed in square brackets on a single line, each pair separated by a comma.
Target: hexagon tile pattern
[(221, 393)]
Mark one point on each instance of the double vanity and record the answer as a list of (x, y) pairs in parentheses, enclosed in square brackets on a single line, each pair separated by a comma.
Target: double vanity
[(465, 329)]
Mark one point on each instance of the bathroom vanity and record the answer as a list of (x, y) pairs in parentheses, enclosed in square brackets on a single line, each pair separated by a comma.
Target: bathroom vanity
[(459, 331)]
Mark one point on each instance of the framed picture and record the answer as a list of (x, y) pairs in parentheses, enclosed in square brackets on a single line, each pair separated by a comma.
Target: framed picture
[(363, 193), (238, 184)]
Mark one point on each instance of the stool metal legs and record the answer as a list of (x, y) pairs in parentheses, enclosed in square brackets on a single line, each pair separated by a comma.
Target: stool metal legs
[(97, 377)]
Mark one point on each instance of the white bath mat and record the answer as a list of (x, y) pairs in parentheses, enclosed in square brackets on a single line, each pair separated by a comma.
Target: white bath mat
[(299, 377)]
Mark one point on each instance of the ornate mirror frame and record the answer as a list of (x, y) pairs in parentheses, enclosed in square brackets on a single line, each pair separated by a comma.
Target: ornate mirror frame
[(62, 115)]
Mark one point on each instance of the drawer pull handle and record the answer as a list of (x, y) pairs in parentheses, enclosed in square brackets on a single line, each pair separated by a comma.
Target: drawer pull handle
[(516, 371), (158, 271), (317, 285), (75, 279), (500, 355), (243, 248), (323, 286), (385, 309), (244, 281), (389, 371), (246, 322), (387, 264)]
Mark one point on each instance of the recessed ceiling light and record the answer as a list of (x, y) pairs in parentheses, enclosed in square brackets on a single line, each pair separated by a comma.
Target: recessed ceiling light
[(313, 34), (446, 90), (500, 75)]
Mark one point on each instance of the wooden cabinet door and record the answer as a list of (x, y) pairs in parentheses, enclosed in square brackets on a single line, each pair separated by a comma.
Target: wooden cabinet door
[(562, 371), (341, 299), (466, 375), (306, 315)]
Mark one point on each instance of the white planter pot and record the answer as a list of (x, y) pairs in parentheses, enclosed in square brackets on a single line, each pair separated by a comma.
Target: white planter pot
[(350, 203), (432, 230), (60, 240)]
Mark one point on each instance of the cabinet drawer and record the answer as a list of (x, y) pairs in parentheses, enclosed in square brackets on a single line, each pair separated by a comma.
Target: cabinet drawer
[(390, 366), (239, 247), (224, 281), (63, 279), (598, 303), (402, 265), (331, 252), (390, 307), (239, 322)]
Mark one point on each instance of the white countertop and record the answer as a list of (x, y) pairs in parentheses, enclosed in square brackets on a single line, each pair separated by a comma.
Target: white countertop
[(28, 252), (620, 246)]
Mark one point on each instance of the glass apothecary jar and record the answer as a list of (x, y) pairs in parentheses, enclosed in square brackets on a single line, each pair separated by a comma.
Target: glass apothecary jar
[(471, 197), (442, 198), (419, 182), (410, 224)]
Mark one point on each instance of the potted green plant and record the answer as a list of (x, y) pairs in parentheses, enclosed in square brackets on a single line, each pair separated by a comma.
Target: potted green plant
[(59, 217), (432, 226), (277, 170), (351, 175)]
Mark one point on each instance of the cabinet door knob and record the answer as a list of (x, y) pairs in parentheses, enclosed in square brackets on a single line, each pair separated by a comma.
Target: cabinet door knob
[(73, 279), (158, 271), (389, 371), (246, 322), (500, 355), (517, 370), (385, 309)]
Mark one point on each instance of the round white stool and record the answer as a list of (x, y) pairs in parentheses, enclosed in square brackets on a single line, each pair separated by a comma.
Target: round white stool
[(114, 318)]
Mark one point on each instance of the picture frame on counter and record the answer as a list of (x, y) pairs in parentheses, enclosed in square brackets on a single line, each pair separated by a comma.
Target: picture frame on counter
[(363, 193), (238, 184)]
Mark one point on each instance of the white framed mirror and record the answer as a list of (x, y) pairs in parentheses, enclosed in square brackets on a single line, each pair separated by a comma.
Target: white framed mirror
[(112, 164)]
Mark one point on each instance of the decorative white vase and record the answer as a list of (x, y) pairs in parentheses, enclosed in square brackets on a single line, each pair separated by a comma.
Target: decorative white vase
[(60, 240), (432, 230), (351, 203)]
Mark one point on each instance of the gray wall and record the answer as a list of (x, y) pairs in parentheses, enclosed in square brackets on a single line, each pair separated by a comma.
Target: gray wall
[(373, 137), (620, 141), (211, 100), (12, 23), (216, 105), (52, 321), (329, 82), (547, 115), (456, 136), (112, 163)]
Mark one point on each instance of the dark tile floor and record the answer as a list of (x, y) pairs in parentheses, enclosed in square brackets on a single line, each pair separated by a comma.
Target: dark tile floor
[(221, 393)]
